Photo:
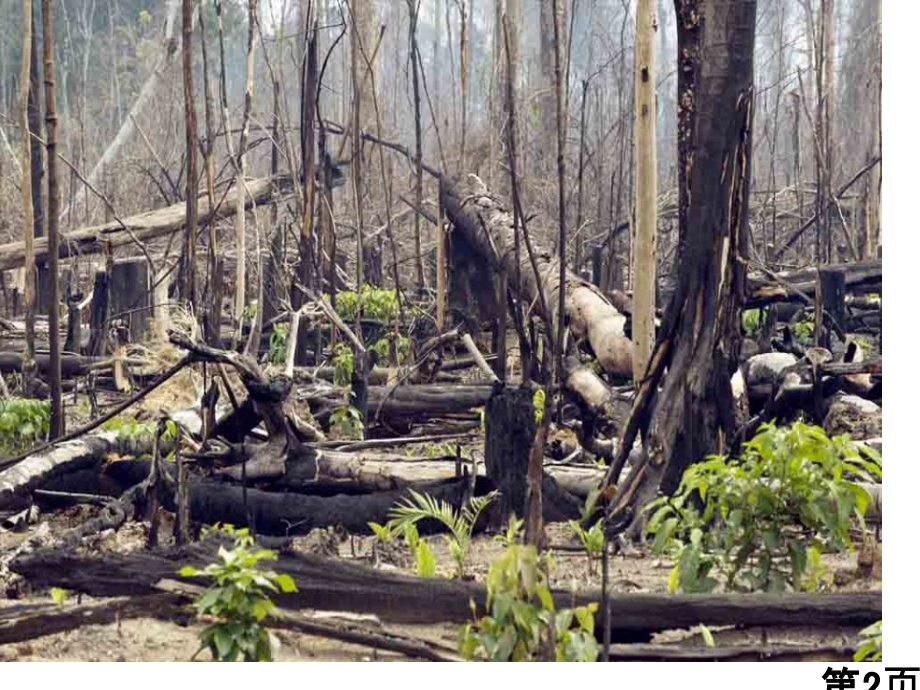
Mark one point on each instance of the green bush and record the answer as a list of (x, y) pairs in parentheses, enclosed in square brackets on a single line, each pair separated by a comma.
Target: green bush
[(277, 343), (24, 423), (238, 600), (376, 303), (522, 622), (763, 521)]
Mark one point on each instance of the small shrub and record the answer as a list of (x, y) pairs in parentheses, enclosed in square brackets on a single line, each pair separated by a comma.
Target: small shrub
[(592, 540), (345, 422), (382, 348), (376, 303), (343, 364), (277, 343), (763, 521), (129, 429), (24, 423), (238, 601), (750, 322), (460, 523), (522, 622)]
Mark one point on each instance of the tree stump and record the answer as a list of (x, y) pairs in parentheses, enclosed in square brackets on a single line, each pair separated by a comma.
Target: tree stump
[(829, 304), (510, 433), (130, 295)]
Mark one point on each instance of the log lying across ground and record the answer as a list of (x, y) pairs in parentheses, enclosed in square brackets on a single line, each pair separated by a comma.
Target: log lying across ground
[(329, 584), (864, 276), (144, 226), (488, 227)]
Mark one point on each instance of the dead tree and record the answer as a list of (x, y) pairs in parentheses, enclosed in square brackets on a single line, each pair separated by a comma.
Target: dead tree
[(187, 259), (54, 202), (700, 338), (643, 322), (26, 188)]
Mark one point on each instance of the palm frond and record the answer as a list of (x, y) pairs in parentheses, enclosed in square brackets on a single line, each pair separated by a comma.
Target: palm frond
[(419, 507), (470, 513)]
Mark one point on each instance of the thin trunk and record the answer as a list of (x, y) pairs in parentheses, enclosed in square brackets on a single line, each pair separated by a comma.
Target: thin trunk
[(28, 357), (464, 78), (215, 260), (305, 271), (579, 213), (830, 62), (560, 180), (239, 237), (54, 201), (187, 278), (646, 162), (417, 104)]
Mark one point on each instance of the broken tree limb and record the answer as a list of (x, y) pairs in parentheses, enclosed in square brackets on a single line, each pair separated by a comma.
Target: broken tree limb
[(331, 584)]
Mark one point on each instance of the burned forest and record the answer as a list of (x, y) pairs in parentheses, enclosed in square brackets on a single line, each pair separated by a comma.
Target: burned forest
[(484, 330)]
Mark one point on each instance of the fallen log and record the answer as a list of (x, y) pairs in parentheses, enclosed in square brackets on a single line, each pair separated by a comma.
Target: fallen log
[(330, 584), (144, 227), (336, 630), (64, 458), (488, 227), (20, 623), (790, 286), (660, 652)]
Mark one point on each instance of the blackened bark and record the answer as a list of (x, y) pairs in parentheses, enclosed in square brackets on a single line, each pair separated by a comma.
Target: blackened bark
[(693, 414)]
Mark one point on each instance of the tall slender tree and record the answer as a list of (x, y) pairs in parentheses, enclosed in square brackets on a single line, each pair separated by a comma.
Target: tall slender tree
[(187, 276), (28, 358), (54, 202), (646, 162)]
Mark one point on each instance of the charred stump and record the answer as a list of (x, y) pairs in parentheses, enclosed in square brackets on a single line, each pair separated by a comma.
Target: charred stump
[(510, 433)]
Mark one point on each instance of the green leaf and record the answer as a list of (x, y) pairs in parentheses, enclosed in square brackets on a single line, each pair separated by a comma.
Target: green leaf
[(286, 583), (58, 595), (708, 639)]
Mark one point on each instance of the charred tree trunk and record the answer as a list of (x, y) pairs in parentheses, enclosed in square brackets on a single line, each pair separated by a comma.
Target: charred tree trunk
[(187, 261), (54, 202), (26, 189), (700, 340), (510, 433)]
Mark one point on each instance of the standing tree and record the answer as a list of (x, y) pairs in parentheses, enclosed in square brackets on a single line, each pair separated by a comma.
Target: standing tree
[(643, 317), (693, 414), (187, 259), (28, 358), (54, 202)]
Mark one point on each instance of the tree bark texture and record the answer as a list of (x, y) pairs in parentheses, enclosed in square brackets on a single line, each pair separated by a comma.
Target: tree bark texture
[(693, 414)]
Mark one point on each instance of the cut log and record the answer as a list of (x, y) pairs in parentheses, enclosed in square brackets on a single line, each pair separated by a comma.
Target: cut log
[(17, 481), (329, 584)]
